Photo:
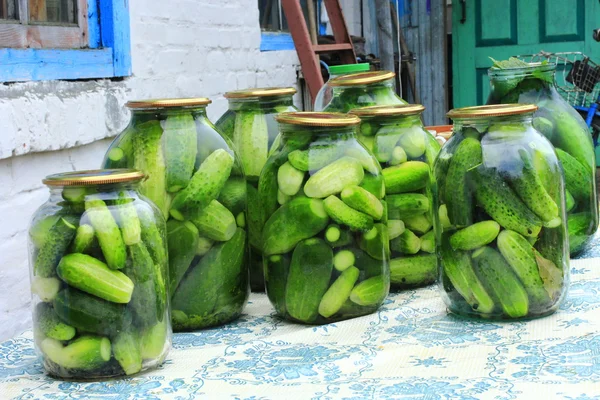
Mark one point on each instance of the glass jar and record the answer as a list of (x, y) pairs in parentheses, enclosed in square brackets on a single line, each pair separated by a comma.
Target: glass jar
[(362, 89), (197, 182), (567, 131), (406, 151), (325, 240), (250, 124), (98, 272), (501, 227), (326, 92)]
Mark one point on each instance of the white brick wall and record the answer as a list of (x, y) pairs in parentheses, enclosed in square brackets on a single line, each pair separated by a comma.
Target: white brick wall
[(180, 48)]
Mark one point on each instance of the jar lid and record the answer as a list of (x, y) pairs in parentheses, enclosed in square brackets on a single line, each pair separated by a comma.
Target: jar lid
[(166, 103), (348, 68), (396, 109), (260, 92), (314, 118), (362, 78), (94, 177), (496, 110)]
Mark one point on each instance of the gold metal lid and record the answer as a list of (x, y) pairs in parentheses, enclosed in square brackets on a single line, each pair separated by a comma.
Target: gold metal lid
[(166, 103), (396, 109), (260, 92), (313, 118), (361, 78), (496, 110), (94, 177)]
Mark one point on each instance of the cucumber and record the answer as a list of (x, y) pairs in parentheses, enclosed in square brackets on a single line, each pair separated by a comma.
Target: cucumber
[(363, 201), (405, 205), (398, 156), (107, 232), (297, 220), (370, 292), (49, 325), (337, 237), (181, 147), (148, 157), (198, 292), (458, 267), (45, 288), (151, 234), (88, 313), (581, 227), (574, 138), (85, 353), (520, 254), (458, 193), (407, 177), (312, 261), (240, 220), (94, 277), (384, 143), (369, 163), (203, 246), (40, 228), (407, 243), (334, 178), (153, 340), (126, 348), (343, 259), (395, 228), (256, 218), (569, 201), (545, 172), (251, 139), (376, 242), (544, 126), (315, 157), (55, 245), (233, 195), (338, 292), (503, 205), (412, 140), (84, 239), (477, 235), (128, 219), (497, 275), (289, 179), (276, 272), (149, 294), (345, 215), (413, 271), (267, 187), (578, 180), (443, 215), (428, 242), (215, 222), (419, 223), (205, 185), (374, 184), (75, 194), (182, 239)]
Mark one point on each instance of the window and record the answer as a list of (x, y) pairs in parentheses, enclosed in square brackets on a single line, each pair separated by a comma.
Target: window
[(63, 39), (274, 25)]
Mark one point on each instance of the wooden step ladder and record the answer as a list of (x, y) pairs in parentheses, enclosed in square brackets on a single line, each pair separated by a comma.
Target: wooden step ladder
[(308, 51)]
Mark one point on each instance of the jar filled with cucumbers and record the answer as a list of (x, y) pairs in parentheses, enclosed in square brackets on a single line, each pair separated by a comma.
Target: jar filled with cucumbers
[(325, 237), (515, 81), (362, 89), (501, 221), (98, 270), (326, 92), (406, 151), (196, 181), (250, 124)]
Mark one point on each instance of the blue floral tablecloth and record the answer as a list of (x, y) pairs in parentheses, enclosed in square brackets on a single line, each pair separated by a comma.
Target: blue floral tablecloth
[(410, 349)]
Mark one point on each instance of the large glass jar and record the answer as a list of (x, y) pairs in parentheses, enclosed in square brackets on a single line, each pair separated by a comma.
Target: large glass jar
[(406, 151), (98, 271), (567, 131), (197, 182), (501, 228), (250, 124), (325, 240), (362, 89), (326, 92)]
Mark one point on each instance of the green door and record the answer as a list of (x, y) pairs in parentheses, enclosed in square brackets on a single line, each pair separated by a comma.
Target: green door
[(504, 28)]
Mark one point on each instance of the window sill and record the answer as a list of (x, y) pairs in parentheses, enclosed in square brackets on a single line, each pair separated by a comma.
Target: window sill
[(276, 41)]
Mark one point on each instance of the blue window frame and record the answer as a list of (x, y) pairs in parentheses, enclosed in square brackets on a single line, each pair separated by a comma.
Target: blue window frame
[(108, 54), (273, 41)]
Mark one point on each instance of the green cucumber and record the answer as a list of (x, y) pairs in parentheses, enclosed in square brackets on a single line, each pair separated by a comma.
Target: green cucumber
[(57, 242), (289, 179), (345, 215), (126, 349), (94, 277), (233, 195), (443, 215), (334, 178), (49, 325), (418, 223), (343, 259), (405, 205), (149, 294), (407, 177), (412, 140), (581, 227), (573, 137), (428, 242), (282, 198), (413, 271), (215, 222), (370, 292), (374, 184), (544, 126), (128, 220), (86, 353), (153, 340), (107, 232), (338, 292), (477, 235), (384, 143), (256, 218), (398, 156), (369, 163), (337, 237), (181, 147), (251, 139), (45, 288), (84, 239), (182, 239), (151, 234), (297, 220), (569, 201), (312, 261), (407, 243), (363, 201), (315, 157), (40, 228), (578, 180), (276, 272), (240, 220), (205, 185), (395, 228), (376, 242), (203, 246)]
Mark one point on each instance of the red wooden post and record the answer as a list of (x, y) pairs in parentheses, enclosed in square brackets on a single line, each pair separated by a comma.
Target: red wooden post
[(340, 30)]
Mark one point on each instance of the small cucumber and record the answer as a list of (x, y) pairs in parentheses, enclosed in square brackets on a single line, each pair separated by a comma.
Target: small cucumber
[(40, 228), (581, 227), (412, 140), (45, 288), (578, 180), (419, 223), (345, 215), (204, 245), (544, 126), (128, 220), (182, 239), (107, 232), (126, 349), (215, 222), (251, 139), (55, 245), (569, 201), (149, 293), (334, 178), (315, 157), (289, 179), (49, 325), (405, 205), (413, 271), (477, 235), (443, 215), (395, 228), (338, 292), (233, 195), (276, 272), (181, 147), (407, 243), (370, 292), (407, 177), (153, 340), (84, 238), (363, 201), (152, 227), (343, 259), (384, 143), (376, 242), (337, 237), (85, 353), (374, 184), (368, 162), (398, 156), (428, 242)]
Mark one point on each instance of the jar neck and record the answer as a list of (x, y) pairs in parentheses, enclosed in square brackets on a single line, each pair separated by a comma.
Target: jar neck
[(315, 133), (142, 115), (263, 102), (544, 73), (112, 190), (408, 120), (514, 123)]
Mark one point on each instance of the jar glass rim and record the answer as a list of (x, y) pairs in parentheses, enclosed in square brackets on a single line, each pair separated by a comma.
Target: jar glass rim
[(540, 67), (94, 177), (317, 118), (260, 92), (489, 111), (168, 103)]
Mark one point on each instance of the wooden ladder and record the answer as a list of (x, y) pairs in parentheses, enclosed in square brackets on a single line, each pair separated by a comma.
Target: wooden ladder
[(308, 51)]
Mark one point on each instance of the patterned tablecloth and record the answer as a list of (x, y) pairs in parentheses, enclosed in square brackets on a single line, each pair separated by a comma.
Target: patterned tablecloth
[(410, 349)]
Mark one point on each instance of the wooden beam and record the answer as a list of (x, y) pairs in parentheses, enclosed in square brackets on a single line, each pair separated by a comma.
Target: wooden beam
[(327, 48), (340, 29)]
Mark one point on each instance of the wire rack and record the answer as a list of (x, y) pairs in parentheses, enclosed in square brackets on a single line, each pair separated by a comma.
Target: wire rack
[(576, 75)]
